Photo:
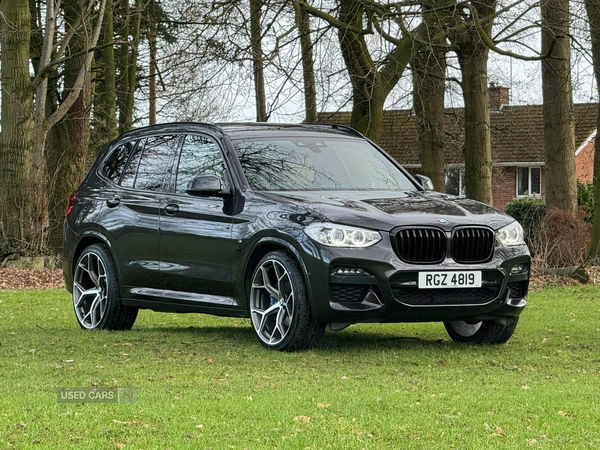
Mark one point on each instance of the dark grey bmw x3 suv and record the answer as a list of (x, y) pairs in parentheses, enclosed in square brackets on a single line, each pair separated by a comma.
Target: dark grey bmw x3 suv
[(297, 227)]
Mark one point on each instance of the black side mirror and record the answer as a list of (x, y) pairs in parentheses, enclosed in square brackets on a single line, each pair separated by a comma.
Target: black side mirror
[(206, 186), (426, 182)]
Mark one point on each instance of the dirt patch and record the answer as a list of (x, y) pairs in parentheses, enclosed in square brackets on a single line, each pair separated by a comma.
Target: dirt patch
[(13, 279)]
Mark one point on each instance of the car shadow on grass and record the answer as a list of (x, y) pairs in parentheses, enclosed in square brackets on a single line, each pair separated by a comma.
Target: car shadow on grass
[(342, 341)]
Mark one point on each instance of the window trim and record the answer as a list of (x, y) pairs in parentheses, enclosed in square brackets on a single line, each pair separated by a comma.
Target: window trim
[(168, 180), (537, 195), (228, 169)]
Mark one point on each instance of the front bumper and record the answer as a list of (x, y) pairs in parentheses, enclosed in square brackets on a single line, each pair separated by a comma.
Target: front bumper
[(387, 290)]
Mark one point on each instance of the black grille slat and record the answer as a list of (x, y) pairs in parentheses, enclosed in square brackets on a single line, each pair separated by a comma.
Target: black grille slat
[(421, 245), (472, 245), (422, 297)]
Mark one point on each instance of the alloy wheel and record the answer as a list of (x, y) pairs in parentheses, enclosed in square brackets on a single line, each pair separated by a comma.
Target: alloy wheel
[(90, 290), (272, 302)]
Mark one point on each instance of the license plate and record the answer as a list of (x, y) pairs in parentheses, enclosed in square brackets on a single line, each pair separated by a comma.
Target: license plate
[(439, 280)]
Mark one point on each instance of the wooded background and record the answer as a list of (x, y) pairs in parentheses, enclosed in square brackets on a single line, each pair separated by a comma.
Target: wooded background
[(76, 74)]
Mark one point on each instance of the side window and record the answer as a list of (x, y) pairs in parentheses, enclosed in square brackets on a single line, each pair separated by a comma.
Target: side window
[(158, 156), (131, 171), (115, 164), (200, 155)]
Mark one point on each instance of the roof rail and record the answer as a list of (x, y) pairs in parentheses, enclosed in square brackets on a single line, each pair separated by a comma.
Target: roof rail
[(343, 128), (158, 126)]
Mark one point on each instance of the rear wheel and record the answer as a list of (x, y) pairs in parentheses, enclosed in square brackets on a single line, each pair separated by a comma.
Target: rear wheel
[(279, 308), (485, 332), (96, 298)]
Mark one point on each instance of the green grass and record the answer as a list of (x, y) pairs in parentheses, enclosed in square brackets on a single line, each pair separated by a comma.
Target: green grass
[(204, 382)]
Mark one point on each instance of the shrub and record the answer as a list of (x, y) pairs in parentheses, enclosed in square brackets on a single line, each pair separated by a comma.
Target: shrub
[(562, 240), (530, 213), (585, 198)]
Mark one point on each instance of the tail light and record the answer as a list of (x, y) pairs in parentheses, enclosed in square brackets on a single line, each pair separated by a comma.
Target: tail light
[(72, 198)]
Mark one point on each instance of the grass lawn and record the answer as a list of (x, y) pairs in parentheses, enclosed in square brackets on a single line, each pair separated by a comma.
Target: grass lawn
[(205, 382)]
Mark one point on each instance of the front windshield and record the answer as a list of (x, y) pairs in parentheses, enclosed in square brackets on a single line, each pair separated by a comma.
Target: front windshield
[(309, 163)]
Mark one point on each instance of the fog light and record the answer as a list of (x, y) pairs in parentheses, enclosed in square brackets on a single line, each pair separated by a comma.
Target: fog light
[(517, 269), (351, 271)]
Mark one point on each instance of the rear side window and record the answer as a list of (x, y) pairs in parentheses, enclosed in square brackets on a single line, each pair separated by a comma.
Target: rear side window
[(115, 164), (200, 155), (156, 165), (131, 171)]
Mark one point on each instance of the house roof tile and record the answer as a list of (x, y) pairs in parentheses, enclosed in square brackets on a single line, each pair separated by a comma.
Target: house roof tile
[(517, 132)]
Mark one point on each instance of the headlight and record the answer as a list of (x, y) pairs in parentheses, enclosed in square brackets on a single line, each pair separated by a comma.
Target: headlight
[(510, 235), (334, 235)]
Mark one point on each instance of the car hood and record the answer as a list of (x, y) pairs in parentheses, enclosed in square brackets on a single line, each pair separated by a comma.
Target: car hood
[(385, 210)]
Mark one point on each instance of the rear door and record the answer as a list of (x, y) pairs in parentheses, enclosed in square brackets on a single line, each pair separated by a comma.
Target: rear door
[(195, 233), (131, 215)]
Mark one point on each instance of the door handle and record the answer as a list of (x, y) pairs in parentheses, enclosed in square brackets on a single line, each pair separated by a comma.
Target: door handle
[(171, 209), (113, 202)]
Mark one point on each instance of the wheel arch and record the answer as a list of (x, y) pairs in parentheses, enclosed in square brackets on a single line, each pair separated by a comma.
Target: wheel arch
[(87, 239), (260, 249)]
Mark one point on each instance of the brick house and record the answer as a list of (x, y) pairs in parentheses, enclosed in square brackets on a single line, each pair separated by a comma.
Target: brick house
[(517, 144)]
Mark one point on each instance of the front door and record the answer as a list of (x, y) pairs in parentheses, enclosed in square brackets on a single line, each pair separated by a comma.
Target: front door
[(195, 233)]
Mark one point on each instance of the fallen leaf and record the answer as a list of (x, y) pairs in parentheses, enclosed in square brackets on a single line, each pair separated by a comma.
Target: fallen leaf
[(322, 405), (304, 419)]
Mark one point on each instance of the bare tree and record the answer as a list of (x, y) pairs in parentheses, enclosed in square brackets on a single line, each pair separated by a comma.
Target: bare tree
[(593, 14), (257, 60), (559, 116), (308, 71), (45, 120), (429, 87), (16, 138)]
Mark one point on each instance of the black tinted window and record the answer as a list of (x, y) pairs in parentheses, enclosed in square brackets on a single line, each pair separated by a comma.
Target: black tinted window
[(128, 178), (313, 163), (154, 169), (200, 155), (113, 168)]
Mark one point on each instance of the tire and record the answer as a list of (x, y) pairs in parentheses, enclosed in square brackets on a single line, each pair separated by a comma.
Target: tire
[(302, 331), (488, 331), (95, 280)]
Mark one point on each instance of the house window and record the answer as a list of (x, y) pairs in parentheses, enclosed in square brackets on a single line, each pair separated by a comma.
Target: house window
[(529, 181), (455, 181)]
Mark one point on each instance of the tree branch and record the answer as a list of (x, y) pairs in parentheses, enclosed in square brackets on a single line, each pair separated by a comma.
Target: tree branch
[(487, 40), (44, 70)]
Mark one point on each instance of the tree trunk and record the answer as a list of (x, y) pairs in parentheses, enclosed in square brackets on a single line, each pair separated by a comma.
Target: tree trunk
[(16, 138), (67, 157), (152, 38), (126, 116), (559, 119), (593, 13), (105, 107), (257, 60), (371, 84), (477, 148), (122, 63), (308, 71), (429, 87)]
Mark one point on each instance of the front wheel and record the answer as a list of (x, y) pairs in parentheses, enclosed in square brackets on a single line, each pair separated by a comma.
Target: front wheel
[(279, 306), (485, 332)]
